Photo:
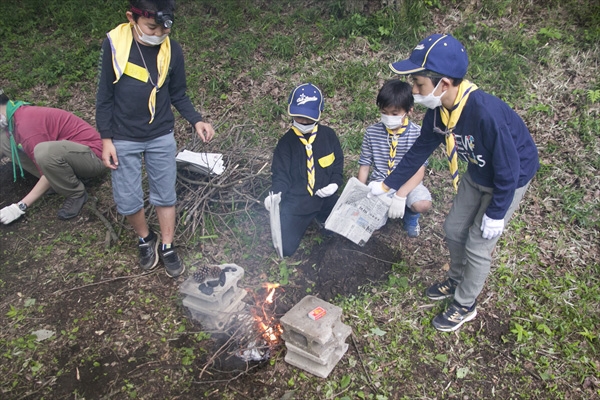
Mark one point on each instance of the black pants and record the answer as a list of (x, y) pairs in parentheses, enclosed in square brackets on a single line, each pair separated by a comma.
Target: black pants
[(293, 226)]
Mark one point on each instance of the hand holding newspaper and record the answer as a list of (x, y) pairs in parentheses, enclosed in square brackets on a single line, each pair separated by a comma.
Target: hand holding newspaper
[(355, 215)]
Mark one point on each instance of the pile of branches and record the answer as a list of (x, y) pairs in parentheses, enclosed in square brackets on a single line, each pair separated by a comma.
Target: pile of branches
[(243, 184)]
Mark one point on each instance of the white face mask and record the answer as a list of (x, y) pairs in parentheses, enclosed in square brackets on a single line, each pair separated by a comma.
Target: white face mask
[(148, 39), (3, 122), (430, 101), (392, 121), (304, 128)]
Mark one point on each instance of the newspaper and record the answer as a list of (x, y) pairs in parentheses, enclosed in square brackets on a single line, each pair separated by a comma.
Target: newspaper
[(356, 216), (275, 220), (204, 163)]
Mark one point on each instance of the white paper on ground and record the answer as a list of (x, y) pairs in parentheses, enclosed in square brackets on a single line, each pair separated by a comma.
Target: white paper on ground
[(42, 334), (204, 163)]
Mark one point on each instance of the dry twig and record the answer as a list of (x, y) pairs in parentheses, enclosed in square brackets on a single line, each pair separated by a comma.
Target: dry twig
[(238, 188)]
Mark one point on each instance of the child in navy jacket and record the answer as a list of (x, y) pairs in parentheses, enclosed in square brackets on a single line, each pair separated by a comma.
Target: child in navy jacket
[(307, 168), (501, 156)]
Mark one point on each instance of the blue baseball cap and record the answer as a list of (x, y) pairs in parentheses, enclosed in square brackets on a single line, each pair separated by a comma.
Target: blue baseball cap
[(442, 54), (306, 101)]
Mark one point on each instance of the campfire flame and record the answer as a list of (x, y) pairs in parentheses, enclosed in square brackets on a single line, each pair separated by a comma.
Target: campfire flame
[(263, 331), (267, 323)]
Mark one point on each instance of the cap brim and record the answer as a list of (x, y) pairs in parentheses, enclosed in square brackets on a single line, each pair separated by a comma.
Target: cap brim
[(405, 67), (294, 111)]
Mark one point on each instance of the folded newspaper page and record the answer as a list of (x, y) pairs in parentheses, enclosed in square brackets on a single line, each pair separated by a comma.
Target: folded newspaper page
[(356, 216), (204, 163), (276, 223)]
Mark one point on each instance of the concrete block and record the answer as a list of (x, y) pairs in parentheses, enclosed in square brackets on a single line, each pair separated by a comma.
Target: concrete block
[(214, 319), (314, 345), (316, 366), (214, 311)]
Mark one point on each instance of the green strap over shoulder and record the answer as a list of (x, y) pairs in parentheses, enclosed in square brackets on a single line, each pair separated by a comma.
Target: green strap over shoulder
[(11, 107)]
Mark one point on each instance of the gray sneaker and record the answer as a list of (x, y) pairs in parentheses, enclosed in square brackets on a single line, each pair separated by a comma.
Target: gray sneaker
[(72, 206), (149, 253), (173, 265), (442, 290)]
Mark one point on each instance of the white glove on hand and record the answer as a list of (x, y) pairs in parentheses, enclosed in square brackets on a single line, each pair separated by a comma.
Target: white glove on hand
[(491, 228), (376, 189), (270, 198), (397, 207), (9, 213), (386, 198), (327, 190)]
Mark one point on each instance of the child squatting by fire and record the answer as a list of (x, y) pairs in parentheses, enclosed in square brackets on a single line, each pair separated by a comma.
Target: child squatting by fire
[(307, 168)]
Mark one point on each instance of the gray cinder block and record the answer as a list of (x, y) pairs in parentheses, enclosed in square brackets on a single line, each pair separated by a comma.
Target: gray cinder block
[(215, 311), (314, 345)]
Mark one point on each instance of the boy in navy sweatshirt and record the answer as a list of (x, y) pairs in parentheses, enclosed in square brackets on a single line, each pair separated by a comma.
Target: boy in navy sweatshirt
[(501, 156)]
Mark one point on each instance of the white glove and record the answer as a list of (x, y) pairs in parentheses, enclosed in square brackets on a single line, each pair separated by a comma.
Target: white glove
[(327, 190), (376, 189), (9, 213), (386, 198), (397, 207), (491, 228), (270, 198)]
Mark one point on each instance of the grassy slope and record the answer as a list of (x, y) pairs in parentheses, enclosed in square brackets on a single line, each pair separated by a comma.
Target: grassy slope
[(537, 336)]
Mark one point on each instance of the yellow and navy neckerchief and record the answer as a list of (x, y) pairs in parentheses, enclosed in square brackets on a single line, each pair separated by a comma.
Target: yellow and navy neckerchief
[(450, 119), (394, 143), (120, 40), (310, 162)]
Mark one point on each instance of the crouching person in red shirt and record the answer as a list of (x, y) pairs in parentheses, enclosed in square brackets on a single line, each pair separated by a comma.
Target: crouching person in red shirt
[(54, 145)]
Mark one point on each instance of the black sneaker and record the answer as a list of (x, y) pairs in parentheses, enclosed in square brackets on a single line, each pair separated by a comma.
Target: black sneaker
[(149, 253), (456, 315), (441, 290), (72, 206), (173, 265)]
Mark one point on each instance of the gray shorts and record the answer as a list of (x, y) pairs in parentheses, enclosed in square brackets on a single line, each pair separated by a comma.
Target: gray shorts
[(417, 194), (159, 160)]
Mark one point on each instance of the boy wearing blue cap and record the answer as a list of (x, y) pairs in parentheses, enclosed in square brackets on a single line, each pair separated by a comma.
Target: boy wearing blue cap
[(384, 145), (307, 168), (142, 75), (501, 156)]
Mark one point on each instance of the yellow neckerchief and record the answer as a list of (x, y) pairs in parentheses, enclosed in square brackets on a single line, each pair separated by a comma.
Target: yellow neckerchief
[(121, 39), (394, 143), (310, 162), (450, 119)]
